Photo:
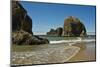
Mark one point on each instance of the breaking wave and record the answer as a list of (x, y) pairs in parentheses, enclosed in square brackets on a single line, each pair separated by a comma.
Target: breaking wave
[(73, 41)]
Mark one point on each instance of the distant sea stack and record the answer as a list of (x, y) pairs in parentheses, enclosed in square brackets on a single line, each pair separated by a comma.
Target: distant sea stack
[(73, 27), (22, 27), (57, 32)]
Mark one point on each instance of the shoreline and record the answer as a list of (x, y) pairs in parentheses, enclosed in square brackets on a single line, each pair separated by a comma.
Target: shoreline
[(81, 57), (53, 53), (87, 54), (47, 54)]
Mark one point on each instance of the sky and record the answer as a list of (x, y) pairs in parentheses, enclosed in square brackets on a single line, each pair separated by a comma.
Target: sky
[(46, 16)]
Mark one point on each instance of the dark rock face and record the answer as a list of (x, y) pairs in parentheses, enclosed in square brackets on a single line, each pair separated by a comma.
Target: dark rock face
[(24, 38), (73, 27), (52, 32), (22, 27), (20, 19), (57, 32)]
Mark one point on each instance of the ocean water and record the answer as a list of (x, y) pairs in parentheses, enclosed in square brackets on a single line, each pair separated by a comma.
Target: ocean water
[(55, 39), (58, 51)]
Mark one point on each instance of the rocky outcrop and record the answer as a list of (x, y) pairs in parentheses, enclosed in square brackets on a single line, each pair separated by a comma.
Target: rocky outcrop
[(24, 38), (73, 27), (57, 32), (51, 32), (22, 27), (20, 19)]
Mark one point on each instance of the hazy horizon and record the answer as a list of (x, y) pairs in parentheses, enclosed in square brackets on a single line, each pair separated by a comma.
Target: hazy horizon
[(46, 16)]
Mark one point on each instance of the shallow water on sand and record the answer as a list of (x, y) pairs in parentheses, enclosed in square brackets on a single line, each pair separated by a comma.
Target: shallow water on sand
[(88, 54), (55, 53), (58, 53)]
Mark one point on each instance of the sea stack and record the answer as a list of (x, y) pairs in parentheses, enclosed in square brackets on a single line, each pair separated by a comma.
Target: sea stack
[(57, 32), (73, 27), (22, 27)]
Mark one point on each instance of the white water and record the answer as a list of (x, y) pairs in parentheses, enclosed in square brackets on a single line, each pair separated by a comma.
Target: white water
[(52, 54), (72, 41)]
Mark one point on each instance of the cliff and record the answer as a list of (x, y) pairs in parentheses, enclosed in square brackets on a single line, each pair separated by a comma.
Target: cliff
[(22, 27)]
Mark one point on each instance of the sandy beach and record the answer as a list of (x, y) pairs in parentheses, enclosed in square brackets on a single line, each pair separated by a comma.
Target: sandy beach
[(87, 54), (54, 53), (44, 54)]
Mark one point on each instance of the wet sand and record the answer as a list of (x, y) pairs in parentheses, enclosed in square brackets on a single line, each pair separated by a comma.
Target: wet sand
[(44, 54), (86, 54), (54, 53)]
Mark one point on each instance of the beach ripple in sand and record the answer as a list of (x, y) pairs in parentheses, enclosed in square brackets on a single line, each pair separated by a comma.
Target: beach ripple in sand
[(52, 54)]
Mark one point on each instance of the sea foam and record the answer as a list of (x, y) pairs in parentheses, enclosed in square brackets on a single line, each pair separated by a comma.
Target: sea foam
[(78, 40)]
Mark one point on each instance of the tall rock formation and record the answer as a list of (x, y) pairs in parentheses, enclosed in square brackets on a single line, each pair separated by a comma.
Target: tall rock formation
[(20, 19), (22, 27), (73, 27)]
